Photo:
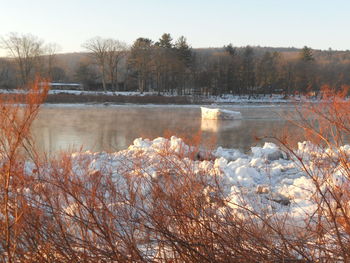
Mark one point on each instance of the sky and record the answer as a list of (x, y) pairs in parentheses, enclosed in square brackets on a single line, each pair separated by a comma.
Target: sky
[(319, 24)]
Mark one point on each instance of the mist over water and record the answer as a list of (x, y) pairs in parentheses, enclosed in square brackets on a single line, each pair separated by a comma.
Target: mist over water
[(114, 128)]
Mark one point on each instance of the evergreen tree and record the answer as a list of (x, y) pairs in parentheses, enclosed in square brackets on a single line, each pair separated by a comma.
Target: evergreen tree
[(232, 77), (184, 51), (163, 62), (165, 41), (230, 49), (185, 63), (248, 70), (306, 54), (140, 60)]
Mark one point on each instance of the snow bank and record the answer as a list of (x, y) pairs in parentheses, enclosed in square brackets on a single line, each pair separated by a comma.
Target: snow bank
[(220, 114), (266, 180)]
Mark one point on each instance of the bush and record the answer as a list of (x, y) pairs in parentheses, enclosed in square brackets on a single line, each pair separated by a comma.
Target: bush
[(163, 204)]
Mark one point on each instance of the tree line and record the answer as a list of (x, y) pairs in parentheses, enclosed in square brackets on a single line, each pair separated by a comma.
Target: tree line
[(174, 67)]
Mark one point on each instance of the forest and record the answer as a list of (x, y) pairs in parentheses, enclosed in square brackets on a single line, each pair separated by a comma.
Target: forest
[(172, 66)]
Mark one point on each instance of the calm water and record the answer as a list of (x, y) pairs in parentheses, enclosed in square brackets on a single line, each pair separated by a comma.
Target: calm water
[(112, 128)]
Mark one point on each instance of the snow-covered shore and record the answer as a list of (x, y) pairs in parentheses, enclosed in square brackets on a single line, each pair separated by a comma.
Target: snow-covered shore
[(267, 180), (165, 184), (222, 99)]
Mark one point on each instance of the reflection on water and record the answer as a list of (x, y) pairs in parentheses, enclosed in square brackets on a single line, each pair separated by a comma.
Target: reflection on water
[(115, 127), (219, 125)]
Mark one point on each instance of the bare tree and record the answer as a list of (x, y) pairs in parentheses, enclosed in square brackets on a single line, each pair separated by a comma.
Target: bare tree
[(26, 51), (116, 52), (107, 54), (51, 50), (99, 48)]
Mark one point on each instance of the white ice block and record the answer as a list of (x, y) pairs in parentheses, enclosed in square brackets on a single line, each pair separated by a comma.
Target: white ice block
[(220, 114)]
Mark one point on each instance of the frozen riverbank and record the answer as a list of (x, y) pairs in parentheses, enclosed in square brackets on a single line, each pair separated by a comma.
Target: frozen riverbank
[(100, 97), (163, 192), (266, 180)]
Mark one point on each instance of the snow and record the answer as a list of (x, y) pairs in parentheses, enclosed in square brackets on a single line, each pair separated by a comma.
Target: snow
[(228, 154), (264, 180), (220, 114), (269, 151), (222, 99), (226, 98), (80, 92), (100, 93), (55, 84), (230, 98)]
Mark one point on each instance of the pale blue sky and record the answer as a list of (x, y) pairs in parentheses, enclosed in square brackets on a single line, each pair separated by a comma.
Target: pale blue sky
[(317, 23)]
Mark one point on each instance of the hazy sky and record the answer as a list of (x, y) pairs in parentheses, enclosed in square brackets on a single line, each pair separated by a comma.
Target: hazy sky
[(206, 23)]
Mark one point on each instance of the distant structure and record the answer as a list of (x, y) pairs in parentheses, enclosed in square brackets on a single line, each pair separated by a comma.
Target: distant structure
[(66, 86)]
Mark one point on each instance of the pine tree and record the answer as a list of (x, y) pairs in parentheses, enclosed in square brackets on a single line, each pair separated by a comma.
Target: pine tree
[(306, 54), (163, 62), (140, 59), (165, 41), (184, 51), (230, 49), (248, 70)]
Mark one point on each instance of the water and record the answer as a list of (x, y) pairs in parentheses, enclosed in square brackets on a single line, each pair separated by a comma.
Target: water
[(113, 128)]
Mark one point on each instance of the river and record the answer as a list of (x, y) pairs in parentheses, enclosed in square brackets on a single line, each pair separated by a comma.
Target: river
[(113, 128)]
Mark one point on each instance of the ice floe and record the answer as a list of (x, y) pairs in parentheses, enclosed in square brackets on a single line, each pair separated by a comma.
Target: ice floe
[(220, 114)]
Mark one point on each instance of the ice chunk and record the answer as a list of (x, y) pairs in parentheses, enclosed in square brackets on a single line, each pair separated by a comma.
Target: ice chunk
[(270, 151), (220, 114), (228, 154)]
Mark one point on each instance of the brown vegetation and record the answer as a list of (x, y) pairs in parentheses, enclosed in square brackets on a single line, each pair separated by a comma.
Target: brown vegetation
[(327, 126), (65, 210), (15, 147)]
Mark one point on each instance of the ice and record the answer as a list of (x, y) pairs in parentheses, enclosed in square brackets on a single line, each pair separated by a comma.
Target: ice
[(220, 114), (269, 151), (228, 154), (265, 176), (264, 180)]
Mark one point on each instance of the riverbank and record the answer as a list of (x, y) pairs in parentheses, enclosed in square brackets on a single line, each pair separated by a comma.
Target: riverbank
[(269, 194), (99, 97), (55, 96)]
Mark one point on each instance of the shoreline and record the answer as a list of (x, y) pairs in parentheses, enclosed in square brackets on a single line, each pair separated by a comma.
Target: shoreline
[(159, 99), (153, 105), (98, 97), (67, 97)]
